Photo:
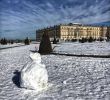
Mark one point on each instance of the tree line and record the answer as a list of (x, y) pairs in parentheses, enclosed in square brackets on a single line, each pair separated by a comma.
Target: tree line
[(4, 41)]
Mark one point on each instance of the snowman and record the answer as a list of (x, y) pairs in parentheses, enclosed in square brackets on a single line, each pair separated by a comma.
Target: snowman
[(34, 75)]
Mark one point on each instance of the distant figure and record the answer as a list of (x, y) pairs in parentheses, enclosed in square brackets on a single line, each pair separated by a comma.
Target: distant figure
[(36, 48), (34, 75)]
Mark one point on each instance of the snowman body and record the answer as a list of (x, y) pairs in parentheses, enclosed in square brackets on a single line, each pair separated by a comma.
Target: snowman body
[(34, 75)]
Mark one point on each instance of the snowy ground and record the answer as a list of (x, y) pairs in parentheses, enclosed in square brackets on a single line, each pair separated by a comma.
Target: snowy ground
[(94, 48), (11, 45), (70, 78), (15, 45)]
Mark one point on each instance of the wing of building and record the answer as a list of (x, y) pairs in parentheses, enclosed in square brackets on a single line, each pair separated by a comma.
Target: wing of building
[(74, 31)]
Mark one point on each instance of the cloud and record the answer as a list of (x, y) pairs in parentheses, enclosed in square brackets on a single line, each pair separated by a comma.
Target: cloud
[(23, 17)]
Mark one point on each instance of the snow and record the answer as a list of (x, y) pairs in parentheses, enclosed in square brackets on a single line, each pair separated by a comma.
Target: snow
[(94, 48), (71, 78), (10, 45), (34, 75)]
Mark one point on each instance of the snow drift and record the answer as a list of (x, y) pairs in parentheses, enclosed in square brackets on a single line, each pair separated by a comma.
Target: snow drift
[(34, 75)]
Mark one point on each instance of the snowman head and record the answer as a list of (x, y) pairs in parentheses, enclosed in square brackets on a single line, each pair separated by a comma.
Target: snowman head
[(35, 57)]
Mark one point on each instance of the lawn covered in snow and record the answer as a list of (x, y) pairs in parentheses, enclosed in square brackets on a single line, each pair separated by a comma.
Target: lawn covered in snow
[(94, 48), (10, 45), (70, 78)]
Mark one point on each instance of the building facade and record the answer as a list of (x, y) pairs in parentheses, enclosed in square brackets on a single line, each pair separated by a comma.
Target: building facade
[(74, 31)]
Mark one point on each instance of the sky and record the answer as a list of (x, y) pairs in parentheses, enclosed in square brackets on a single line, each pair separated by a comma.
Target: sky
[(21, 18)]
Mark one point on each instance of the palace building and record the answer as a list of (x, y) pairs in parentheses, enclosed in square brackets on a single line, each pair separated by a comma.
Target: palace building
[(74, 31)]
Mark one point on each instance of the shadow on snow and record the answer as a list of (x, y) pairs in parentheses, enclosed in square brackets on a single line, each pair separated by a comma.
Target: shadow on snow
[(16, 78)]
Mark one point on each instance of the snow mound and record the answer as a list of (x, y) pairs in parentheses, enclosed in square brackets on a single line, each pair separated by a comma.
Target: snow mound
[(34, 75)]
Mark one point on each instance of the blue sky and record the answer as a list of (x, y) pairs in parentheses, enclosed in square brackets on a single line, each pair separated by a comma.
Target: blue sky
[(21, 18)]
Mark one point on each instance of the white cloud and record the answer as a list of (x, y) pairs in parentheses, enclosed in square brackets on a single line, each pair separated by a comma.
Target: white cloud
[(33, 16)]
